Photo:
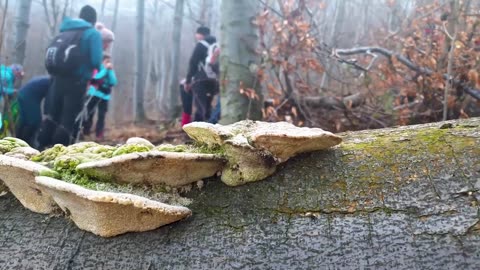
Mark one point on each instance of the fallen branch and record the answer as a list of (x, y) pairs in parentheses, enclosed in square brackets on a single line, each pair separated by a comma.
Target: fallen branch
[(334, 103), (337, 53)]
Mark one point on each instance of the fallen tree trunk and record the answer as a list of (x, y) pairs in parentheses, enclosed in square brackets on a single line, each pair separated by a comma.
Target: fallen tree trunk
[(334, 103), (404, 198)]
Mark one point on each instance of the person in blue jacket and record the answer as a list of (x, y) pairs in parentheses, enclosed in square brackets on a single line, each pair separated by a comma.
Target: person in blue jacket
[(30, 98), (67, 96), (99, 95), (9, 75)]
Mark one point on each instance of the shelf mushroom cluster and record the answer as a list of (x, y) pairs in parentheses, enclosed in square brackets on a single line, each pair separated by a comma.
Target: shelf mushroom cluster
[(96, 185)]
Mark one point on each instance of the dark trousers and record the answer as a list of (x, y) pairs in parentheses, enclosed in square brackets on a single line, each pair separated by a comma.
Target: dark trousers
[(30, 119), (203, 93), (101, 106), (217, 113), (187, 100), (65, 104)]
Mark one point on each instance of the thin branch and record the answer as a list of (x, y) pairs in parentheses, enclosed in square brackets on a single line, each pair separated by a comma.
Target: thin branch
[(336, 53), (185, 16)]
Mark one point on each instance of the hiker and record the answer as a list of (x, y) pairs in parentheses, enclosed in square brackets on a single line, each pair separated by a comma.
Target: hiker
[(187, 100), (81, 47), (9, 75), (30, 97), (201, 77), (99, 96)]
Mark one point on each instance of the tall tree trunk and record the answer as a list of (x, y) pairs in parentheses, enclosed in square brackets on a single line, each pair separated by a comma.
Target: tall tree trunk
[(334, 33), (239, 40), (2, 27), (452, 29), (23, 23), (102, 10), (115, 16), (177, 40), (139, 66)]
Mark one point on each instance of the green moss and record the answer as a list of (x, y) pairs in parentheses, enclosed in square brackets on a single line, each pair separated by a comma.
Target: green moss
[(173, 148), (50, 154), (374, 157), (8, 144), (206, 149), (50, 173), (130, 148)]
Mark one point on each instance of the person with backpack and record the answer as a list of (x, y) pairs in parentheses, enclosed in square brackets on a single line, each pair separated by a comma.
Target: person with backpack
[(30, 98), (202, 77), (99, 96), (71, 59)]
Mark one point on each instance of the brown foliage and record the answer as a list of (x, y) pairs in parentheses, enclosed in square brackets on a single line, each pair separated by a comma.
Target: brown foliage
[(294, 57)]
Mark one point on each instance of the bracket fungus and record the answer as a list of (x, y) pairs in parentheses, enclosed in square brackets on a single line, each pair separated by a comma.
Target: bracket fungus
[(109, 214), (19, 176), (170, 168), (254, 149), (111, 190)]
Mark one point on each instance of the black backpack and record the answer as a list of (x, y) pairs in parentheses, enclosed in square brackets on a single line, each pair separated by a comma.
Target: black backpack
[(64, 56)]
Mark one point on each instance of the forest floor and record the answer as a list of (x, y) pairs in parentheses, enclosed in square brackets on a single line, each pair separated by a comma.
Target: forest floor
[(154, 132)]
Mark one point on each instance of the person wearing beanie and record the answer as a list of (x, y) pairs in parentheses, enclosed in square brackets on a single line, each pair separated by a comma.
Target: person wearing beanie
[(67, 96), (88, 14), (108, 37), (197, 81)]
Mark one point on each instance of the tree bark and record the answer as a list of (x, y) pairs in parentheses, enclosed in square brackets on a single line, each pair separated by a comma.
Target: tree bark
[(238, 61), (23, 24), (408, 193), (140, 68), (175, 59)]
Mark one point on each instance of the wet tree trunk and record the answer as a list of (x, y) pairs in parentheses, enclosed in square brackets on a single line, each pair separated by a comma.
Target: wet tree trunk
[(175, 59), (238, 61), (140, 68), (23, 23), (410, 193)]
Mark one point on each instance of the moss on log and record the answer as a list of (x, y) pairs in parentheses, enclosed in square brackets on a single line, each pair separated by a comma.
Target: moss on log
[(404, 198)]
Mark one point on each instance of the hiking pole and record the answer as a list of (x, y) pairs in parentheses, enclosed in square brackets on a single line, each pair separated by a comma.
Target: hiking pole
[(80, 117)]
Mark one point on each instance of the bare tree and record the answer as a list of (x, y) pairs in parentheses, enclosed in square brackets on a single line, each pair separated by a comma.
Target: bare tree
[(115, 15), (139, 67), (2, 29), (102, 10), (239, 40), (54, 13), (177, 37), (452, 29), (23, 23)]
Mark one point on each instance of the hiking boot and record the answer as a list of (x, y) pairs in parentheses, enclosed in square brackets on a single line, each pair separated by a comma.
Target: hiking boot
[(186, 119)]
